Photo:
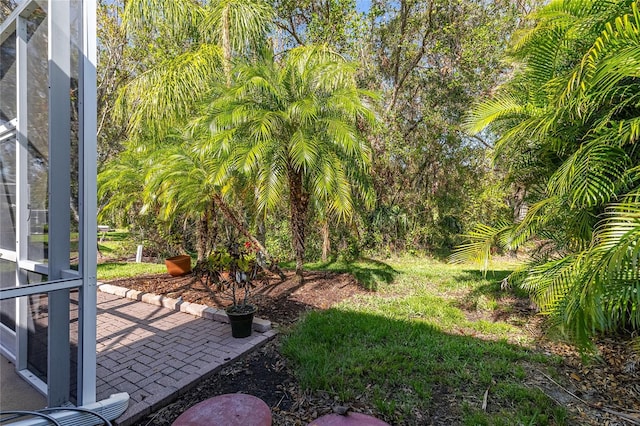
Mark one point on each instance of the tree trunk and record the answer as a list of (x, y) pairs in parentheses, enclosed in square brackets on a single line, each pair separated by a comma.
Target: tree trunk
[(520, 209), (206, 232), (212, 221), (299, 202), (202, 232), (326, 241)]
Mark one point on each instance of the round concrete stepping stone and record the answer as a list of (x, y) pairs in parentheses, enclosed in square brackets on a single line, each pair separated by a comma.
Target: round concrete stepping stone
[(351, 419), (234, 409)]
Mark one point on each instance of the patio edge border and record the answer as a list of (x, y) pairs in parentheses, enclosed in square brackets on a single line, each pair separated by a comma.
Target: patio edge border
[(201, 311)]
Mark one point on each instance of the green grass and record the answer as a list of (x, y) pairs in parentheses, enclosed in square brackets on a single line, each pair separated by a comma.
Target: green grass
[(113, 270), (116, 244), (411, 348)]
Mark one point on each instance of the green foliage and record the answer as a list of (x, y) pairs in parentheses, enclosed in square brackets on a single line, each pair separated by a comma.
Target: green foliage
[(332, 22), (203, 39), (572, 104), (162, 173), (231, 269), (278, 240), (435, 58), (125, 203), (427, 59), (292, 127), (483, 239), (413, 336), (116, 244)]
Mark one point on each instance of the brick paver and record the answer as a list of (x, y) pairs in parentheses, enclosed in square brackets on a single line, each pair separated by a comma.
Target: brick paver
[(154, 353)]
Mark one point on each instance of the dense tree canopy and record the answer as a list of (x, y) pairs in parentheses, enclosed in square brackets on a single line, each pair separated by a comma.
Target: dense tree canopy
[(426, 60), (191, 48), (217, 97)]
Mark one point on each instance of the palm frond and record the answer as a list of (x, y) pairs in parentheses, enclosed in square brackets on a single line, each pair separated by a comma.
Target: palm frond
[(482, 238), (164, 96), (179, 17), (248, 22), (499, 108), (550, 282), (591, 176)]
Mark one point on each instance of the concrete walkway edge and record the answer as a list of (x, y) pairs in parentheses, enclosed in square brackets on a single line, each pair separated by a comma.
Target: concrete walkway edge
[(201, 311)]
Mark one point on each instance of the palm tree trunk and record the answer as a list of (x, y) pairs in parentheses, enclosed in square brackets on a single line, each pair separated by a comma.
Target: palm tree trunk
[(213, 227), (206, 232), (299, 202), (202, 232), (326, 241)]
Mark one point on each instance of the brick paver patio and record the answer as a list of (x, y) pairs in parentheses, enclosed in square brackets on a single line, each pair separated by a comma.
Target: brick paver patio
[(154, 353)]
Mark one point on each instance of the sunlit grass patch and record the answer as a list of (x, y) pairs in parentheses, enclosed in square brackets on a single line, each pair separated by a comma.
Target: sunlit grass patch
[(113, 270), (116, 244)]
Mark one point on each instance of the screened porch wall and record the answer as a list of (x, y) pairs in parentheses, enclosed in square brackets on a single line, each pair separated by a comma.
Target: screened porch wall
[(47, 194)]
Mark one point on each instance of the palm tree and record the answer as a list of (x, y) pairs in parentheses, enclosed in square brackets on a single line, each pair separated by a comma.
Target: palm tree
[(568, 122), (293, 125), (201, 40), (205, 37), (175, 173)]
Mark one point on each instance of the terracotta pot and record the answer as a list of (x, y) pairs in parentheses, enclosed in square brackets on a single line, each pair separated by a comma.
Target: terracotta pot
[(178, 265)]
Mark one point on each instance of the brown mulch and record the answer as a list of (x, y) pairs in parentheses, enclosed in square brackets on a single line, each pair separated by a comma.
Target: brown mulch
[(600, 392), (603, 390), (281, 302)]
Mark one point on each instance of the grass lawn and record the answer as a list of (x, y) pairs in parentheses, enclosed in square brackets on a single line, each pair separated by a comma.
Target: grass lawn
[(113, 270), (423, 343), (118, 244)]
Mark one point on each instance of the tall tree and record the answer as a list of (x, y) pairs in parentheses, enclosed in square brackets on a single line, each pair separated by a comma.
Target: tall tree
[(200, 40), (429, 60), (193, 47), (335, 23), (120, 60), (294, 126)]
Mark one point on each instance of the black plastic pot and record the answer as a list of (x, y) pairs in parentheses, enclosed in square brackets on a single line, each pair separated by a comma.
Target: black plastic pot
[(241, 322)]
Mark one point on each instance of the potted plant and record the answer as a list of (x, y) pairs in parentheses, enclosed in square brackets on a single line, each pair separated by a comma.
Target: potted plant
[(235, 269), (178, 265)]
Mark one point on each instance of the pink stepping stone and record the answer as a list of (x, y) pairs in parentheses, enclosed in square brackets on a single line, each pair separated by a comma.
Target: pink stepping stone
[(234, 409), (351, 419)]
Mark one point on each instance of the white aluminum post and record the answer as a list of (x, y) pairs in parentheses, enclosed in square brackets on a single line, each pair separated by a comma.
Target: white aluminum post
[(59, 45), (88, 207), (22, 193)]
